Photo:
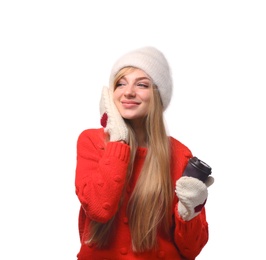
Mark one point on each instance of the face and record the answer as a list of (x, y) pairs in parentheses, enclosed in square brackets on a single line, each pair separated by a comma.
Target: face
[(132, 95)]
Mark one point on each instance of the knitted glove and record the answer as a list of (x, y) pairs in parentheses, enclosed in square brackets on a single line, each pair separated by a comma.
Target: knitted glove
[(111, 119), (192, 194)]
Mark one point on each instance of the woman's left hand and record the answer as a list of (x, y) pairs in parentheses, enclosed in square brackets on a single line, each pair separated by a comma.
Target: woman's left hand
[(192, 194)]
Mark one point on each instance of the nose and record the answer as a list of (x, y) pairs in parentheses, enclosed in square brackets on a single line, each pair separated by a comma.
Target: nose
[(129, 90)]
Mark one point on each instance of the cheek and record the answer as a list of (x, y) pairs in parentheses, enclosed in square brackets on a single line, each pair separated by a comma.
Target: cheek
[(116, 99), (146, 97), (115, 96)]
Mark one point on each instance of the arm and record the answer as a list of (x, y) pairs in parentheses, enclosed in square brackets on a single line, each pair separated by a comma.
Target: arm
[(192, 228), (101, 173), (100, 176), (191, 236)]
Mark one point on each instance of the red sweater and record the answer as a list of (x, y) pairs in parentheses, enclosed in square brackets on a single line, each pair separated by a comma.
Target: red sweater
[(100, 177)]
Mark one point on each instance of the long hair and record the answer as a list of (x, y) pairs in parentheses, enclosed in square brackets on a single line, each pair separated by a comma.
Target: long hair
[(150, 206)]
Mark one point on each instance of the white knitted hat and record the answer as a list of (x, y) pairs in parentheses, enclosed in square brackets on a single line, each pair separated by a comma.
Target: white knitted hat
[(154, 63)]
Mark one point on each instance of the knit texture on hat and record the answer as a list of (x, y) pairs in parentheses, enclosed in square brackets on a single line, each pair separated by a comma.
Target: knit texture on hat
[(154, 63)]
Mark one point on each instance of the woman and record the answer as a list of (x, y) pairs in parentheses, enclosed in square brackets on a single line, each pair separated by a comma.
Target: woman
[(135, 203)]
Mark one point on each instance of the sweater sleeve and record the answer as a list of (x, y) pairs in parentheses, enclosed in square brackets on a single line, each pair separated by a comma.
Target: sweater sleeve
[(100, 176), (191, 236)]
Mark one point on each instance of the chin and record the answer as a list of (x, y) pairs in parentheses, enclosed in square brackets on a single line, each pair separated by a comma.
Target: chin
[(133, 117), (129, 117)]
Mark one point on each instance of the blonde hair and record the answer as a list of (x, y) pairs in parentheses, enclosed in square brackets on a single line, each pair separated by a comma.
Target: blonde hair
[(150, 206)]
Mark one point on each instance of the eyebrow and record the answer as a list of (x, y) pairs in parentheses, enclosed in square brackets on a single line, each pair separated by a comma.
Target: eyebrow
[(140, 78)]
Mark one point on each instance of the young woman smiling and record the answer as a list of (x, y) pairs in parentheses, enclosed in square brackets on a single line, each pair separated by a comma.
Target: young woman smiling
[(135, 203)]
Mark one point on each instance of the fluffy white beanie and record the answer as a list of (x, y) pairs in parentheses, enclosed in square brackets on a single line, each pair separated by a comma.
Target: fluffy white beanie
[(154, 63)]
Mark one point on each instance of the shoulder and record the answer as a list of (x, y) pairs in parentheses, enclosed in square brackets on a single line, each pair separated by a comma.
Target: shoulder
[(91, 136), (180, 154), (93, 132), (179, 149)]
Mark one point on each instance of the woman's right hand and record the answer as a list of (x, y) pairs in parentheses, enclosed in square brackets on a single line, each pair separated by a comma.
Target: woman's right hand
[(111, 120)]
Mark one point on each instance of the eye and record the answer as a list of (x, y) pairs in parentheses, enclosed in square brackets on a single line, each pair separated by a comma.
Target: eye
[(143, 85), (120, 84)]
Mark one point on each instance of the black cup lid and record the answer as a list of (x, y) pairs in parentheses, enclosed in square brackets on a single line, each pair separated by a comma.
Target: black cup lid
[(202, 166)]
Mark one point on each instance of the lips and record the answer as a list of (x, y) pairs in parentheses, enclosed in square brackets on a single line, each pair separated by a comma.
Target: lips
[(129, 104)]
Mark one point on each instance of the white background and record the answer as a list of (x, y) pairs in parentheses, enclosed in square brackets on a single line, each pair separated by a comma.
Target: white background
[(55, 56)]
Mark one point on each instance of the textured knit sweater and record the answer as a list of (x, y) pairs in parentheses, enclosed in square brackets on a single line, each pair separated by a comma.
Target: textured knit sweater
[(100, 177)]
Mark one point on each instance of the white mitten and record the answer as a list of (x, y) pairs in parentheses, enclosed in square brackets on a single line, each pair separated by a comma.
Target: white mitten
[(192, 194), (111, 120)]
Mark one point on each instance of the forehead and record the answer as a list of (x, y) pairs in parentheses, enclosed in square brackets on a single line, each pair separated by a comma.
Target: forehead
[(134, 73)]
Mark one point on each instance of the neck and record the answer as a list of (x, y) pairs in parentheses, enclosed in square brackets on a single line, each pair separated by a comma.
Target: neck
[(140, 132)]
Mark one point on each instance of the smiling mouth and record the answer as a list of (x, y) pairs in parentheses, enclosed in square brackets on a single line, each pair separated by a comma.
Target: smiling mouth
[(129, 104)]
